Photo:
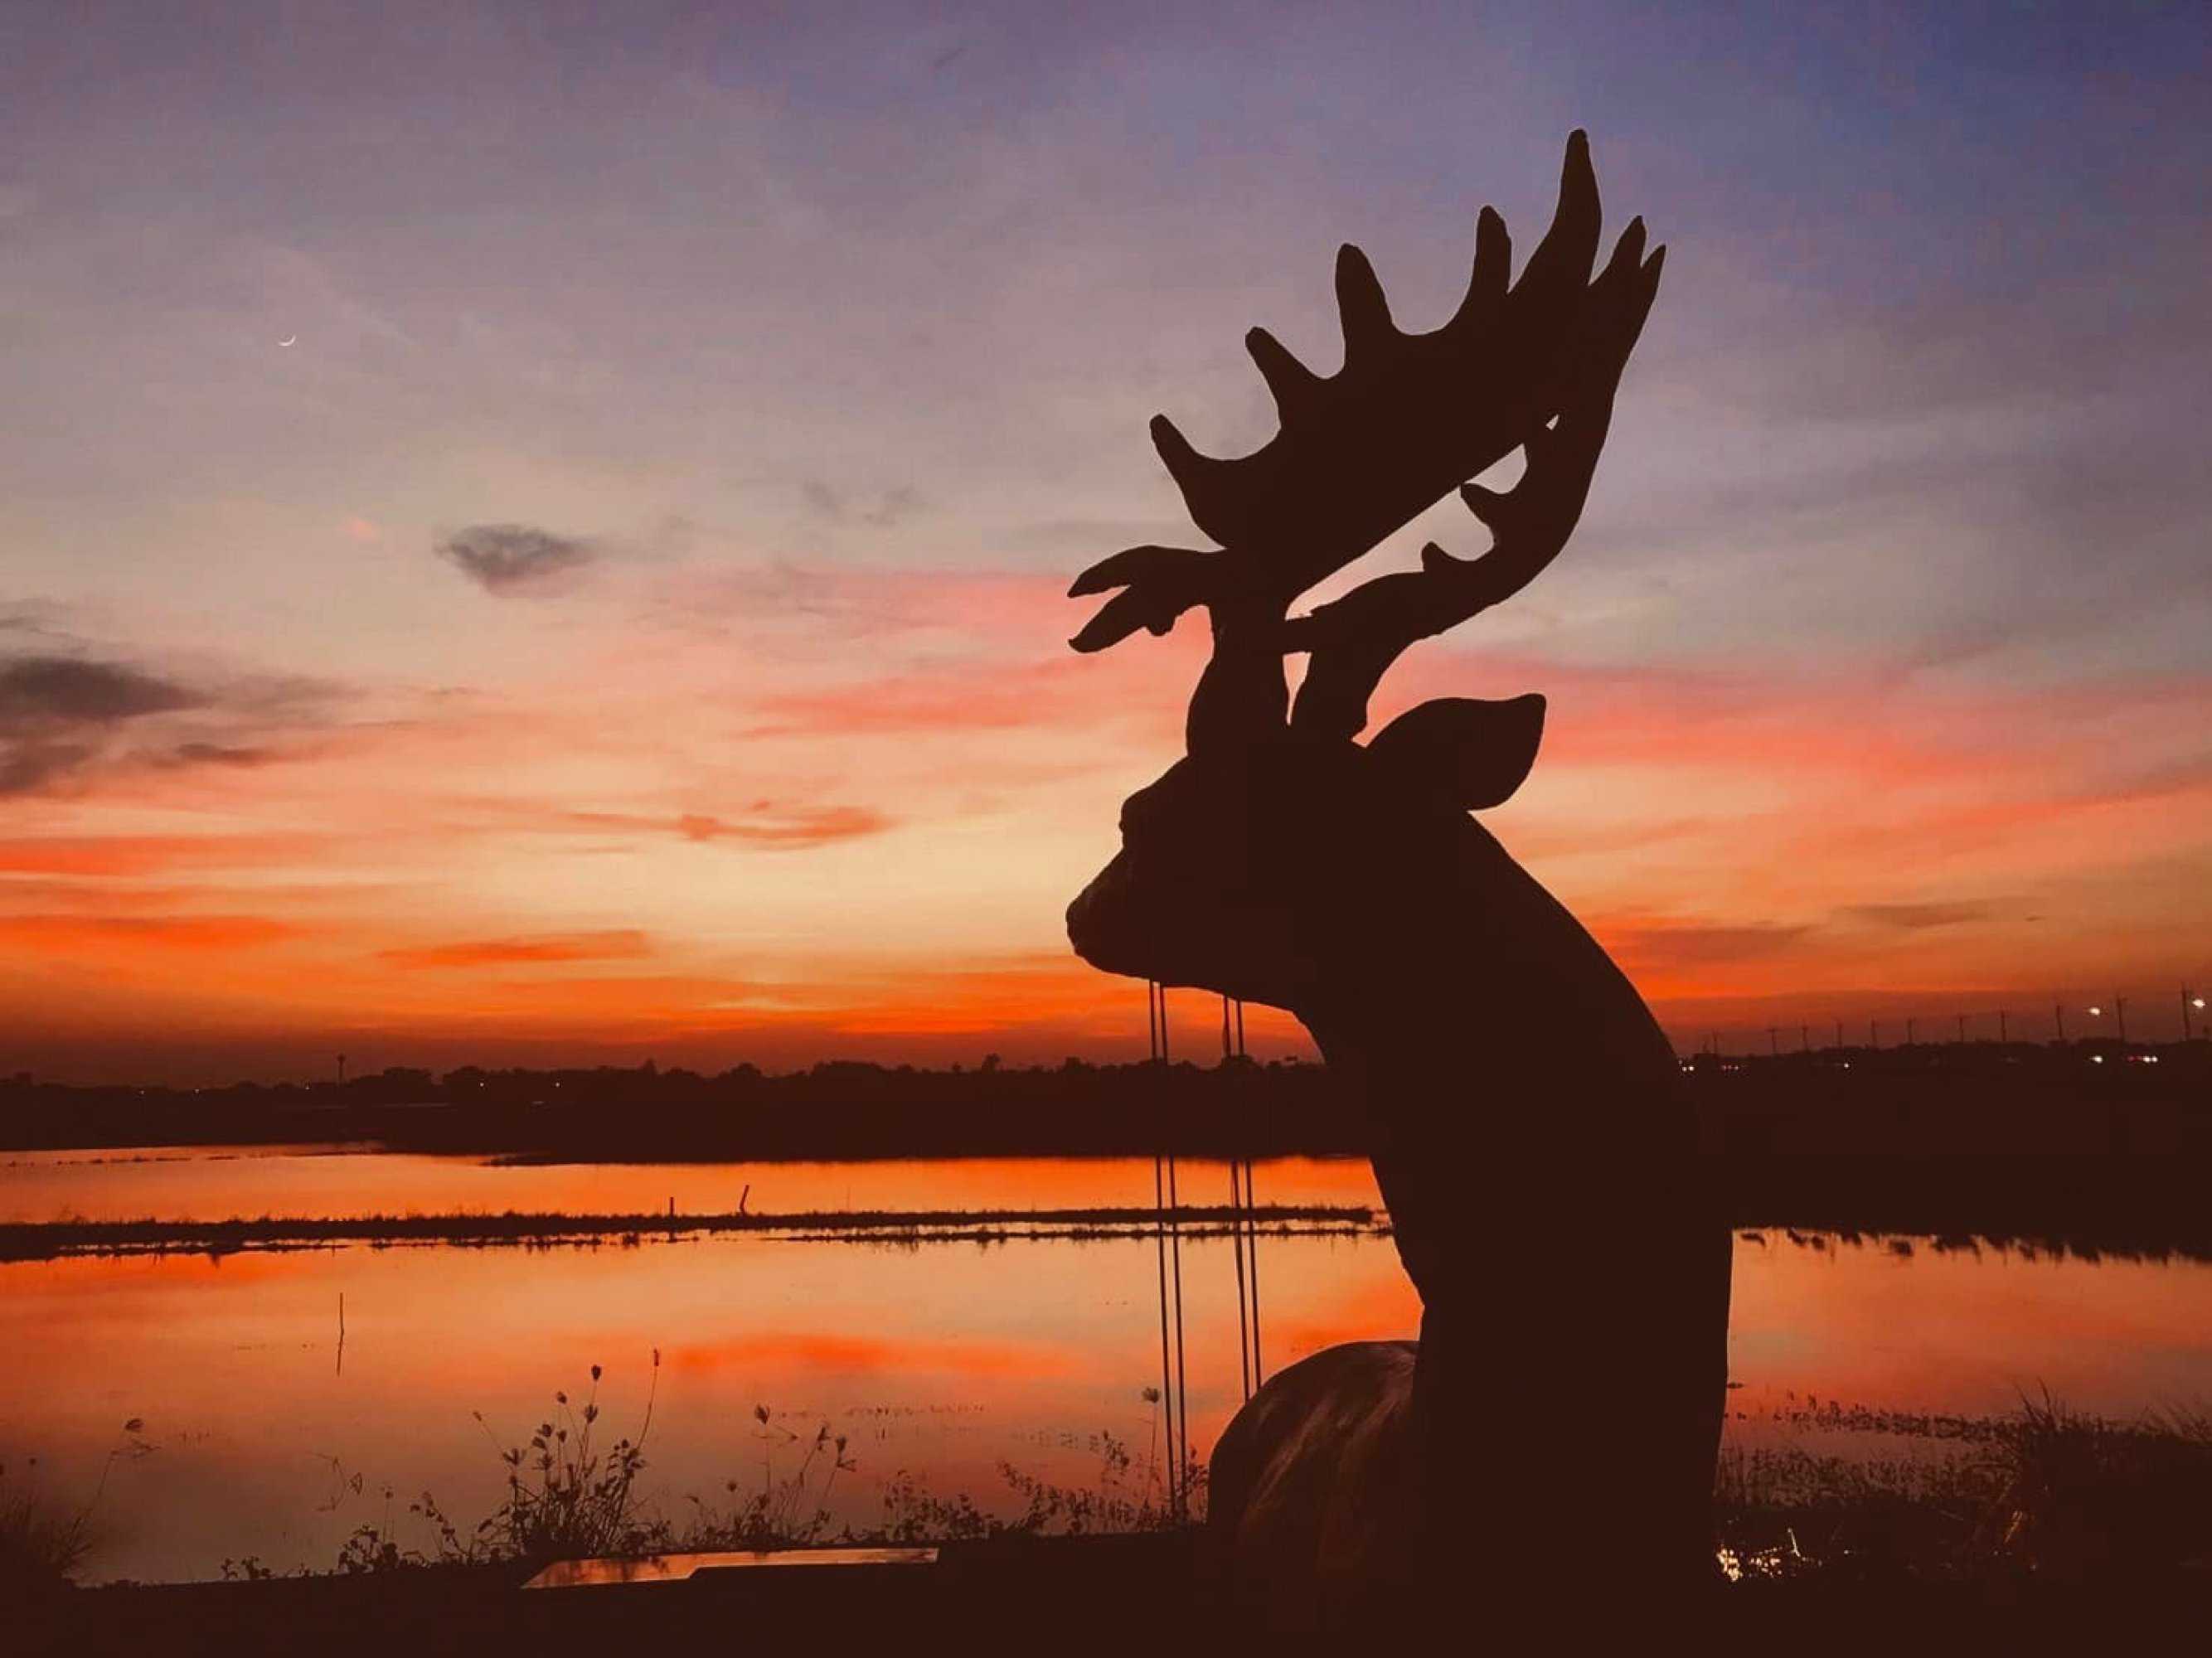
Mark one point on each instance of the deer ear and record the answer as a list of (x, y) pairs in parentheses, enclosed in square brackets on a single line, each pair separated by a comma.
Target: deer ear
[(1467, 754)]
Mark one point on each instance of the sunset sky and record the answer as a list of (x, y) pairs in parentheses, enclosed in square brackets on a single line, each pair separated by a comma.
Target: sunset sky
[(627, 620)]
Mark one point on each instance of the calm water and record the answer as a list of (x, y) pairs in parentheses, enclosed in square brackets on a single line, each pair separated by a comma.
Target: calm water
[(938, 1360)]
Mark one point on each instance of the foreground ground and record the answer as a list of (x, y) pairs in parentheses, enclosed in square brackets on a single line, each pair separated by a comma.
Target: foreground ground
[(1150, 1591)]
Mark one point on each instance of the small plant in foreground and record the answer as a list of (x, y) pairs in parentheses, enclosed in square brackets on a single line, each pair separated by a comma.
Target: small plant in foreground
[(912, 1514), (41, 1547), (566, 1497)]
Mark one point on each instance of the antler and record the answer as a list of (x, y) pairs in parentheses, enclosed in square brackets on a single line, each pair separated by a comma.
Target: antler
[(1353, 641), (1362, 451)]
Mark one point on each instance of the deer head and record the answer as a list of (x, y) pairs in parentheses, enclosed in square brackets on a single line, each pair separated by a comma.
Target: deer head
[(1281, 853)]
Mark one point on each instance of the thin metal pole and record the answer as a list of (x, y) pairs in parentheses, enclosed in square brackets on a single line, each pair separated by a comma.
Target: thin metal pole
[(1160, 1218), (1174, 1251), (1243, 1331), (1252, 1227), (1167, 1374)]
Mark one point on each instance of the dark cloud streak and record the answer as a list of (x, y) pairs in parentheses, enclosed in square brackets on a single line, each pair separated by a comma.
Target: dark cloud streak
[(513, 558), (58, 713), (1918, 917), (64, 690), (64, 719)]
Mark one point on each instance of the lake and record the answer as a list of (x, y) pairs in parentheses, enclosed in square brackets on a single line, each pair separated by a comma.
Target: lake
[(938, 1361)]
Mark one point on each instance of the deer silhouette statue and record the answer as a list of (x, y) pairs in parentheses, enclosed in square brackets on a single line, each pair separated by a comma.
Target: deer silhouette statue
[(1532, 1142)]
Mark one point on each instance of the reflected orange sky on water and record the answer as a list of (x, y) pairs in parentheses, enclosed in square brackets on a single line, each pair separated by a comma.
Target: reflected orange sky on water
[(941, 1359), (218, 1183)]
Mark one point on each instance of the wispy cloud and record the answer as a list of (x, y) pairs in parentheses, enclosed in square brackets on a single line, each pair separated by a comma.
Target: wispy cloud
[(514, 558), (67, 691), (65, 719), (58, 713), (764, 824), (101, 934), (1914, 918), (130, 856), (880, 511), (1661, 947), (615, 944)]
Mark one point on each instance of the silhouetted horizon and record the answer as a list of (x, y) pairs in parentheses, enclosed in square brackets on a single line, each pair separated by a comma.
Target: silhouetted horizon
[(1939, 1053)]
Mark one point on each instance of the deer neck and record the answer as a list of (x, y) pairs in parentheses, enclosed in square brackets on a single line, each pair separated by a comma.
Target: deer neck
[(1487, 1008)]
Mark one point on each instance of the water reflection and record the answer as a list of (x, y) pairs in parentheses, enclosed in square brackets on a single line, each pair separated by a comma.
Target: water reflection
[(941, 1362), (221, 1182)]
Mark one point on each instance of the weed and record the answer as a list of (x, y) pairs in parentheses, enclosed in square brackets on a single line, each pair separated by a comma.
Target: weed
[(42, 1546)]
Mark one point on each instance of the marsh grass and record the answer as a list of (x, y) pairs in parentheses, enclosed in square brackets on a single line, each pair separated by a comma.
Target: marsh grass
[(23, 1240), (2048, 1493), (570, 1497), (1127, 1496), (41, 1547), (42, 1543)]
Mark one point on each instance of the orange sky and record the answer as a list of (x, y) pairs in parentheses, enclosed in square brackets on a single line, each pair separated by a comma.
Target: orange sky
[(654, 854), (626, 619)]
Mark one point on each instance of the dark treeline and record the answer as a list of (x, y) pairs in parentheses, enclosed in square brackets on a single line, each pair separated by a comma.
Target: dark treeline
[(1977, 1097), (835, 1110)]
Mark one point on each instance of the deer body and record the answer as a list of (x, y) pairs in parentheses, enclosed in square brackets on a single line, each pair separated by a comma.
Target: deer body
[(1533, 1149), (1536, 1157)]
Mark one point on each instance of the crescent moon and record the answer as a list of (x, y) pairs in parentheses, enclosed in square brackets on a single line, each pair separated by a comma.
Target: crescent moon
[(294, 340)]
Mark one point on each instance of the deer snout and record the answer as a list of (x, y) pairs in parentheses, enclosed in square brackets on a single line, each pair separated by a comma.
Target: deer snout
[(1100, 924), (1144, 922)]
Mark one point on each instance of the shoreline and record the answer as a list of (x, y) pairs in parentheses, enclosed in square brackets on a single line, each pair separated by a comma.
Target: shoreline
[(33, 1240), (2127, 1207)]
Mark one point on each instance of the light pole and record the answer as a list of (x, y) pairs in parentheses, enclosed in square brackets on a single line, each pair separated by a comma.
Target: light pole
[(2058, 1015), (2004, 1031), (2189, 1002), (1962, 1030)]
